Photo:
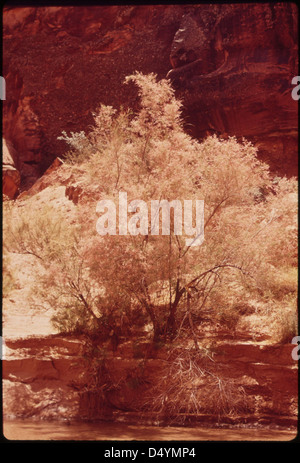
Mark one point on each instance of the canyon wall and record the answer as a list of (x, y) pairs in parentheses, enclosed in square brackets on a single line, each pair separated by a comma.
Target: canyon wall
[(232, 65)]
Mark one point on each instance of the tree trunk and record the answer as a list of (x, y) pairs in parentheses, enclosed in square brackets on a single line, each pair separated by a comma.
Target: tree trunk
[(188, 306), (171, 325), (156, 325)]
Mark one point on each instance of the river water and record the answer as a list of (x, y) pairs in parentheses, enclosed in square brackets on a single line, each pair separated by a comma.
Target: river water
[(33, 430)]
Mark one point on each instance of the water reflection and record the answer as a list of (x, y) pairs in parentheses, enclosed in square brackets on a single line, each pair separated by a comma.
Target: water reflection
[(33, 430)]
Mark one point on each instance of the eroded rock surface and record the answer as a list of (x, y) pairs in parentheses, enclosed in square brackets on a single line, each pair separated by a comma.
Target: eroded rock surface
[(232, 66), (50, 377)]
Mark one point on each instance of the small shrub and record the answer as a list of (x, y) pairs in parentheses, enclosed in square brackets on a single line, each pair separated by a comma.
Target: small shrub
[(191, 384), (229, 318), (287, 326), (43, 232), (81, 148), (8, 280), (74, 320)]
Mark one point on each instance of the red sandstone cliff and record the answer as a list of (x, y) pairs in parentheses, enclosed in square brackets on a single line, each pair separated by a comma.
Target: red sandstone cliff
[(233, 66)]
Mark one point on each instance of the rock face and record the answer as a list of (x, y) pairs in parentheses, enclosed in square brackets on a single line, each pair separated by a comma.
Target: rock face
[(234, 68), (49, 374), (231, 64), (41, 376)]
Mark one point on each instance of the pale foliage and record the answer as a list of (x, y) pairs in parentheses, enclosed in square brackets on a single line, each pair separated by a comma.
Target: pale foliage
[(99, 284), (250, 221), (43, 233)]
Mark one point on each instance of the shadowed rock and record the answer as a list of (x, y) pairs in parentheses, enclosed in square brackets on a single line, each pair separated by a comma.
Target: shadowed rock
[(232, 65)]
